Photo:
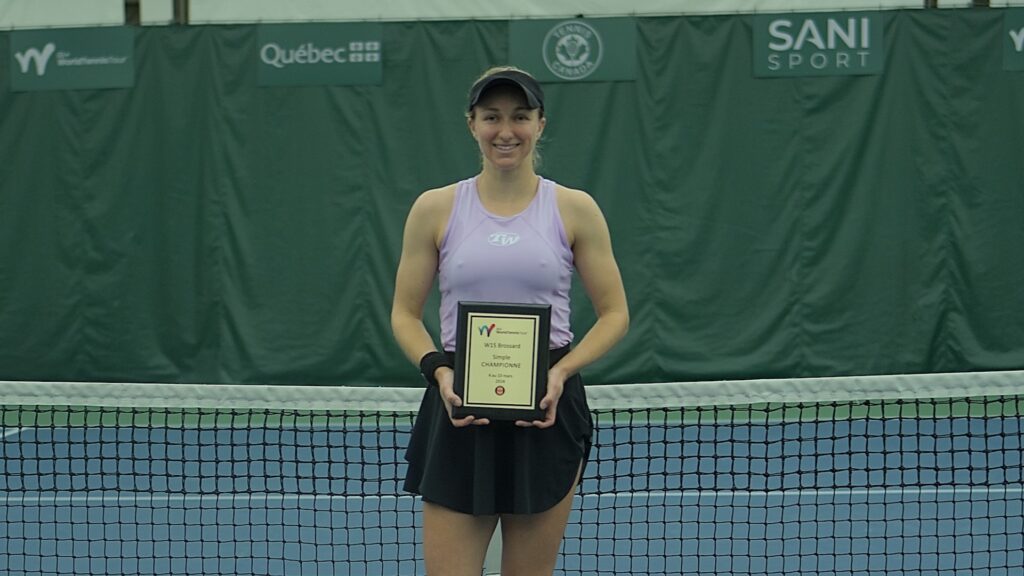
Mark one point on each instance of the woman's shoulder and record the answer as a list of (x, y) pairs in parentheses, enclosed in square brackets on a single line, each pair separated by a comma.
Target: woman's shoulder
[(442, 194), (436, 201), (432, 209), (569, 194), (579, 212), (575, 204)]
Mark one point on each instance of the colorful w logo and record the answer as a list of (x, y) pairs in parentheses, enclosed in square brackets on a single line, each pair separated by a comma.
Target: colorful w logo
[(484, 328)]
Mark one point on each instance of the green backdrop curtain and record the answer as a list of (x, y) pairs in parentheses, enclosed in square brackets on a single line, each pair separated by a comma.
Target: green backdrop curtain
[(200, 228)]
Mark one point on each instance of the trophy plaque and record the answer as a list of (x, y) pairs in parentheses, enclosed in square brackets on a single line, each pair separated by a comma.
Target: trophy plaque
[(501, 360)]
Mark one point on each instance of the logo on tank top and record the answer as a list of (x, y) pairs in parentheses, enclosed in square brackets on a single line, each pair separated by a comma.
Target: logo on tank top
[(503, 239)]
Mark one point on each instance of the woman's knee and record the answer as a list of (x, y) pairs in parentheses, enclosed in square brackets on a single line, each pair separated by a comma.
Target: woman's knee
[(455, 543)]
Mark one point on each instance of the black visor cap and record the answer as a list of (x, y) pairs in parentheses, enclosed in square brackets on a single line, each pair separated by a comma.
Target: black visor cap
[(531, 89)]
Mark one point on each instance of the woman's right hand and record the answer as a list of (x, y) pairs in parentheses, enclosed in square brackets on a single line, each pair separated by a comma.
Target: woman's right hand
[(445, 382)]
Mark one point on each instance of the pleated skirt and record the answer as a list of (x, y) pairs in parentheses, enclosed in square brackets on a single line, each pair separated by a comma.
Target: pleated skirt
[(499, 468)]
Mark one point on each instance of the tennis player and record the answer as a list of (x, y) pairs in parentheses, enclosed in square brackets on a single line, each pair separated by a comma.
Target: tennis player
[(504, 235)]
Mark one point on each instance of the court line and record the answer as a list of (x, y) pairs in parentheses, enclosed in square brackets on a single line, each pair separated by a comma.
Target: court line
[(243, 497), (812, 492), (136, 497), (11, 432)]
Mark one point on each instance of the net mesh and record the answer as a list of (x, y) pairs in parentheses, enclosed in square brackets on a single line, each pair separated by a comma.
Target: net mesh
[(907, 486)]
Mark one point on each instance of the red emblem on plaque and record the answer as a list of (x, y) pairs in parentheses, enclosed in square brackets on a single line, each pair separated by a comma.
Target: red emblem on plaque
[(500, 390)]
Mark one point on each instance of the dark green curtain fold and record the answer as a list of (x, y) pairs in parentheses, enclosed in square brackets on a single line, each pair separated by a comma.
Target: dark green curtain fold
[(200, 228)]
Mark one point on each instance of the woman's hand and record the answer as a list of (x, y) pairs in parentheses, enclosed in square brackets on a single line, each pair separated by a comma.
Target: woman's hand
[(556, 383), (445, 380)]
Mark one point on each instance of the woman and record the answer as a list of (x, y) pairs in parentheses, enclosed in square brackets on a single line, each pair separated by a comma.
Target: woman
[(470, 472)]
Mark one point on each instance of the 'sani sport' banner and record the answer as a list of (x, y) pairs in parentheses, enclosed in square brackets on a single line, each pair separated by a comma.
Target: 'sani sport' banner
[(826, 44)]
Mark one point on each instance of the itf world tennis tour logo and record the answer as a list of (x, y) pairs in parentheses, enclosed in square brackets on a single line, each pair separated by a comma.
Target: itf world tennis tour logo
[(73, 59), (572, 50), (40, 58), (33, 59)]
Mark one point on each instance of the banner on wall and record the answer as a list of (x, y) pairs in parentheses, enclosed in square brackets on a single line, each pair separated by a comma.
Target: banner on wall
[(70, 59), (341, 54), (1013, 40), (819, 44), (592, 50)]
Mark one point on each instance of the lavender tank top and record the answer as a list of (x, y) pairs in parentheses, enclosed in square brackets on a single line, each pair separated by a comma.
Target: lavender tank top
[(523, 259)]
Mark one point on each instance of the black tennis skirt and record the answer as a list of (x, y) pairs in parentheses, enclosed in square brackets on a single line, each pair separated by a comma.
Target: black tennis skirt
[(499, 468)]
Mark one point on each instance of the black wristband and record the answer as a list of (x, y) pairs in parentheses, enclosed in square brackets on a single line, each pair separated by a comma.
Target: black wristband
[(430, 362)]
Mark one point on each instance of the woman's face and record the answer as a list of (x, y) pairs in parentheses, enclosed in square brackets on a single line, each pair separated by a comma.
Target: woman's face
[(505, 129)]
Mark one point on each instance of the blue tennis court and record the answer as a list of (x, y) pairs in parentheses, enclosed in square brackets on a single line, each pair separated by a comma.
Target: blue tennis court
[(937, 496)]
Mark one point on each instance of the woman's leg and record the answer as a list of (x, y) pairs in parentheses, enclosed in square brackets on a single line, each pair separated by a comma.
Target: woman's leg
[(454, 544), (530, 542)]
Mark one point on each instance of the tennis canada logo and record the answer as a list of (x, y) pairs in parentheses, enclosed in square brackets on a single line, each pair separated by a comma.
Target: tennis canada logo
[(486, 329), (35, 56), (572, 50)]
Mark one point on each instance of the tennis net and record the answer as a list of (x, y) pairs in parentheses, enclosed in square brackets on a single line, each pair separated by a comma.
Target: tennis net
[(901, 474)]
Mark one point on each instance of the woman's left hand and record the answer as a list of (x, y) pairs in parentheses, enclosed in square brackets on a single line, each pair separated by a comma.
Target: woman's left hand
[(556, 383)]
